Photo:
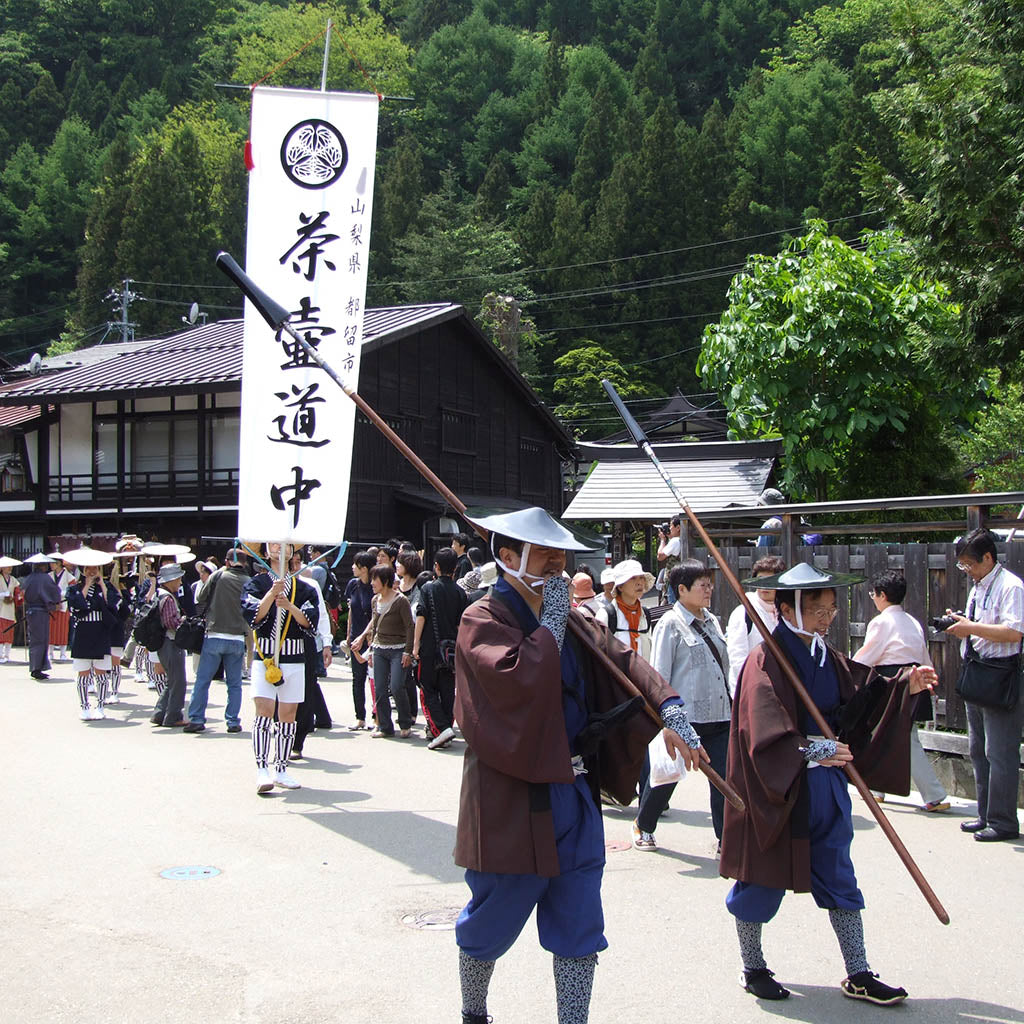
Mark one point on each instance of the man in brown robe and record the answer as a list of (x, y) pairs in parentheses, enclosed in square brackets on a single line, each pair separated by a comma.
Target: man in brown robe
[(797, 829), (547, 729)]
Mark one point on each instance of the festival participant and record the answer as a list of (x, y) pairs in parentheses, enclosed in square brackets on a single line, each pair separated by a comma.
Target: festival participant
[(624, 615), (10, 591), (741, 632), (796, 831), (389, 637), (689, 653), (312, 712), (123, 585), (894, 640), (539, 717), (60, 620), (359, 598), (460, 545), (992, 629), (583, 596), (224, 643), (93, 604), (437, 625), (283, 612), (42, 596), (169, 662)]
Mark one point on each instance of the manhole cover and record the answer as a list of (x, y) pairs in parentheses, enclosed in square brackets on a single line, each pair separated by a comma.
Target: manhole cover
[(617, 845), (433, 920), (191, 873)]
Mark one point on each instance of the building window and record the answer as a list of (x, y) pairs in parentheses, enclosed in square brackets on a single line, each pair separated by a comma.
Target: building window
[(532, 466), (458, 432)]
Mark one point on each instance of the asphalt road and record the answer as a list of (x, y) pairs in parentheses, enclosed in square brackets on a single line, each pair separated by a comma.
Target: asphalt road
[(334, 902)]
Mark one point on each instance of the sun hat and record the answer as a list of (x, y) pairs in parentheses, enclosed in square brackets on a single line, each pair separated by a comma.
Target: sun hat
[(628, 569)]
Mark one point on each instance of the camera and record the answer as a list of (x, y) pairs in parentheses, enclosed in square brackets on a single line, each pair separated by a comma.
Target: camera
[(664, 528), (943, 622)]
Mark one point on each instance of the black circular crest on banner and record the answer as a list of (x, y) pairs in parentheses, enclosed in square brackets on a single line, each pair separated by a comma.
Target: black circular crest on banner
[(314, 154)]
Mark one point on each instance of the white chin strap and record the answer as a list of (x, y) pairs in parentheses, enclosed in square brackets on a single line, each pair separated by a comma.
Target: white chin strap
[(817, 644), (524, 577)]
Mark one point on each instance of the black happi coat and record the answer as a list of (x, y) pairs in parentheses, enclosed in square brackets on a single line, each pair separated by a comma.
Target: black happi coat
[(92, 616), (293, 643)]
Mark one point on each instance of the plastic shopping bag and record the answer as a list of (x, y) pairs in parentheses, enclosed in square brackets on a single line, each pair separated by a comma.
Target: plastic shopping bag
[(665, 769)]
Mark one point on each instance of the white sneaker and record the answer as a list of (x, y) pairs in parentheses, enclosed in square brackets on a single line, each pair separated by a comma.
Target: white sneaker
[(286, 781), (85, 714), (264, 783), (441, 739), (97, 714), (113, 699)]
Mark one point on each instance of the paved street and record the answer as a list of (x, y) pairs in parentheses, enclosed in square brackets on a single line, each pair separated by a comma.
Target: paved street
[(307, 920)]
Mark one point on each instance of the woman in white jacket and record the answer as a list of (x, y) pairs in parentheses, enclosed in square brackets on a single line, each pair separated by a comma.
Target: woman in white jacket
[(624, 614), (689, 652)]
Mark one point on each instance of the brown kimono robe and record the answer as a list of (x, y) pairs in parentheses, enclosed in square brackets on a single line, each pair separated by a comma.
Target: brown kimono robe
[(767, 844), (508, 703)]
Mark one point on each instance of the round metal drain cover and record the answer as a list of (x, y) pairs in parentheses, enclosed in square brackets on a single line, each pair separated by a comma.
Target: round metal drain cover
[(191, 873), (617, 845), (433, 920)]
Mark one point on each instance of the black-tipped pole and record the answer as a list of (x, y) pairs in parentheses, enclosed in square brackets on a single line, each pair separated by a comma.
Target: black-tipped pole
[(275, 314)]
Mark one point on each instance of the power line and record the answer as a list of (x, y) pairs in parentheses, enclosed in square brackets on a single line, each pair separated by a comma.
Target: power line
[(617, 259)]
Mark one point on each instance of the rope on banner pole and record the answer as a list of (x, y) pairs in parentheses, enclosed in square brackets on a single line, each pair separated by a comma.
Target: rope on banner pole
[(302, 49)]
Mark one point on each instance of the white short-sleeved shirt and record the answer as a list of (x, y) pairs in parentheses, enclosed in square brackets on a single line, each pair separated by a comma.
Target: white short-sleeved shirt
[(997, 600)]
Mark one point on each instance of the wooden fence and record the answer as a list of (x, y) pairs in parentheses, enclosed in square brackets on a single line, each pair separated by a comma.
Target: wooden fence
[(933, 584)]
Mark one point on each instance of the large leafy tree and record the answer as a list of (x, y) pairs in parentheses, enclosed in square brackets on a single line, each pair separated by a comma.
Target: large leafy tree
[(839, 349), (582, 402), (959, 124)]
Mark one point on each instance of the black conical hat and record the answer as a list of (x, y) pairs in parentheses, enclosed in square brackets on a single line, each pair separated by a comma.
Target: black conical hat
[(803, 576)]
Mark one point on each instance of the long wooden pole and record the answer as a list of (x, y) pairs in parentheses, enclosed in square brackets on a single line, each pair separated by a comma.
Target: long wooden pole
[(770, 642), (277, 316)]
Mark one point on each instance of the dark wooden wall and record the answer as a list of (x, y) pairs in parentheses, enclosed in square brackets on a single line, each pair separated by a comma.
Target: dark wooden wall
[(933, 585), (451, 401)]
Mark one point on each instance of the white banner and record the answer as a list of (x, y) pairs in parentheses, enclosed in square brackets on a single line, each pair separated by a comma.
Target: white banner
[(310, 200)]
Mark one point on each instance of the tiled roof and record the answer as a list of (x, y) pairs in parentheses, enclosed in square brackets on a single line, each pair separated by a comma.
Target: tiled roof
[(207, 357), (634, 490)]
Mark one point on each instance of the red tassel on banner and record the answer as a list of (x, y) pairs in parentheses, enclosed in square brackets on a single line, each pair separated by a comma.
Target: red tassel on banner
[(249, 165)]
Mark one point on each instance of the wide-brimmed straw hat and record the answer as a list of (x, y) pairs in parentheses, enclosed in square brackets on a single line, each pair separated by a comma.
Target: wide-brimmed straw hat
[(87, 556)]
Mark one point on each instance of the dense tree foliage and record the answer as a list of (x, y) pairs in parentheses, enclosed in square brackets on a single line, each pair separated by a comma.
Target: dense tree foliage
[(836, 348), (585, 175)]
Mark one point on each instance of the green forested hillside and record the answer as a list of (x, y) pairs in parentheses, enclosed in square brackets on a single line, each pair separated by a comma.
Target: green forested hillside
[(610, 164)]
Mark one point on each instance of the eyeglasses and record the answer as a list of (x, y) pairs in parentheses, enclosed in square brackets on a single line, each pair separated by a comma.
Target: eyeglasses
[(822, 614), (963, 567)]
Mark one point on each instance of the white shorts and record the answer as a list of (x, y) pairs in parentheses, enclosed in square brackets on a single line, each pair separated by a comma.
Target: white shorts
[(88, 664), (291, 690), (117, 652)]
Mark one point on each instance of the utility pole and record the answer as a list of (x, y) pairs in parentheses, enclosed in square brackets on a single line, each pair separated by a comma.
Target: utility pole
[(124, 298)]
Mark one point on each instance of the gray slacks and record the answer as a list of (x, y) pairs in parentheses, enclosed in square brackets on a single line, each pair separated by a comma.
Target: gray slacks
[(994, 739), (170, 706)]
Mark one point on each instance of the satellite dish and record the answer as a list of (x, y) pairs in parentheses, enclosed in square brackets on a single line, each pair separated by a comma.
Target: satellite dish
[(193, 312), (35, 364)]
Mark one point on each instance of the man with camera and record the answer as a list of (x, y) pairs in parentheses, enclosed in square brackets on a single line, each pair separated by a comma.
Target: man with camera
[(990, 635), (669, 554)]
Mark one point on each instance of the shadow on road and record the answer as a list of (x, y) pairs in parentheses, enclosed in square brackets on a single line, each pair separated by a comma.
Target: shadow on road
[(817, 1003), (423, 844)]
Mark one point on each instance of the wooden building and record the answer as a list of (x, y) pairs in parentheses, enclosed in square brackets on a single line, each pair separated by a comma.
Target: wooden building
[(147, 438)]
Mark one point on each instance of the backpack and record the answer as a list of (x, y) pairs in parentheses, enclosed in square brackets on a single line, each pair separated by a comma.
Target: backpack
[(333, 592), (149, 631)]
